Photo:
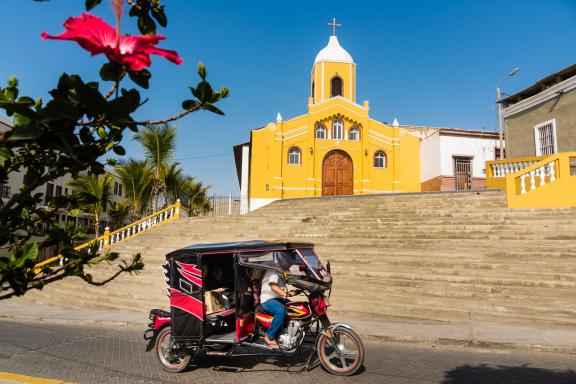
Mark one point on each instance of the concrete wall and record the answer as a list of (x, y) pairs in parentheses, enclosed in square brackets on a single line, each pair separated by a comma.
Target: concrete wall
[(437, 159), (520, 127)]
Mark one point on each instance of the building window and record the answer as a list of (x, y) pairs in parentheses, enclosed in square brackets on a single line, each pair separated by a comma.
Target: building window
[(49, 193), (5, 191), (294, 156), (313, 90), (337, 128), (336, 86), (354, 134), (58, 190), (545, 138), (119, 189), (320, 132), (380, 159)]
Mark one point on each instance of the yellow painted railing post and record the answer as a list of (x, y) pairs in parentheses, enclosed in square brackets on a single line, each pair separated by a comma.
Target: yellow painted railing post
[(106, 237), (177, 209)]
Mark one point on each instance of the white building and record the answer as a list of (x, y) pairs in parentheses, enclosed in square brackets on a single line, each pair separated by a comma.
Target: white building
[(61, 187), (454, 159)]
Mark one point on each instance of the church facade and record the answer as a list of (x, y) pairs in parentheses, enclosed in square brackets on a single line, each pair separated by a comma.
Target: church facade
[(335, 148)]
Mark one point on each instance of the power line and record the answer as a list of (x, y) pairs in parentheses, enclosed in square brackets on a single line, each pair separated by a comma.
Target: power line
[(205, 156)]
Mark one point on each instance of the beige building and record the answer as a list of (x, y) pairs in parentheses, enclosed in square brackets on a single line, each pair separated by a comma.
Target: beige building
[(61, 187), (541, 119)]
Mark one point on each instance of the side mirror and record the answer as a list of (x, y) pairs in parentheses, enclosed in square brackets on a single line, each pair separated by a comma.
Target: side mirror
[(328, 266)]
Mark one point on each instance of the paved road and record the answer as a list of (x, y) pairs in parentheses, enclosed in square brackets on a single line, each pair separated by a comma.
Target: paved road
[(98, 354)]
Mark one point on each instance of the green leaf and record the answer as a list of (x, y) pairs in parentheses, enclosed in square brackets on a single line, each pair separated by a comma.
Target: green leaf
[(211, 108), (141, 78), (160, 16), (119, 150), (86, 135), (146, 25), (92, 100), (190, 104), (25, 132), (26, 255), (101, 132), (74, 212), (92, 3), (111, 71), (202, 70), (224, 92), (5, 154), (204, 92)]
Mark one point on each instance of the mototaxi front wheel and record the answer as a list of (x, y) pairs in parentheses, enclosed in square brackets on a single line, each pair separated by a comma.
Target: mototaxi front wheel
[(343, 353), (170, 359)]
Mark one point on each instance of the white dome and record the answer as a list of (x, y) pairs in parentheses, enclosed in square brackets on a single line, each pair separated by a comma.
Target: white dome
[(333, 52)]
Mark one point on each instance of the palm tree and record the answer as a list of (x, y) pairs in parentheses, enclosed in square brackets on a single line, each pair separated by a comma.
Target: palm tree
[(119, 214), (174, 180), (159, 143), (96, 190), (136, 175), (196, 196)]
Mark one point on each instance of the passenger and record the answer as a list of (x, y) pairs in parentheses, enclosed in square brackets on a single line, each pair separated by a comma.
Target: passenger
[(274, 298), (217, 279)]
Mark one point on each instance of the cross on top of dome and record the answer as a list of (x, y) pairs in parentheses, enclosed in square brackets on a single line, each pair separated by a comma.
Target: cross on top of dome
[(334, 26)]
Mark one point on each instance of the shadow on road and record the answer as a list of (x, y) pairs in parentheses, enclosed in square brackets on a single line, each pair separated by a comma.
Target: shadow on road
[(486, 374)]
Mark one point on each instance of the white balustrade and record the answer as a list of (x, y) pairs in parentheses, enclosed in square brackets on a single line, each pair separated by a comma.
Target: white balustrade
[(503, 169), (545, 171)]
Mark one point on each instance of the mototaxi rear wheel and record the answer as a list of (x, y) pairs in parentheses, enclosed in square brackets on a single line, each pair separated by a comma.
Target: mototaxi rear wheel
[(171, 360), (343, 353)]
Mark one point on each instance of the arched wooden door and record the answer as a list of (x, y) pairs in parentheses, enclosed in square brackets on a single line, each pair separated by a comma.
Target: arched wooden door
[(337, 177)]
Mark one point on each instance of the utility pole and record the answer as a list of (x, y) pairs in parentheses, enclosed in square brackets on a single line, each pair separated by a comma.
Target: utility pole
[(501, 134), (498, 100)]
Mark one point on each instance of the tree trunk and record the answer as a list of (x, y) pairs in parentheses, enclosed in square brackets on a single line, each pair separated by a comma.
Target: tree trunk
[(97, 225)]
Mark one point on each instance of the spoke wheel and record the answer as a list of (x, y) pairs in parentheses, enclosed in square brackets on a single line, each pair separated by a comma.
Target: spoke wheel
[(343, 354), (170, 360)]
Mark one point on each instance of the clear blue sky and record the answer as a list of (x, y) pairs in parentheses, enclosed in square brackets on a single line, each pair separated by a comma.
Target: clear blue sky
[(425, 62)]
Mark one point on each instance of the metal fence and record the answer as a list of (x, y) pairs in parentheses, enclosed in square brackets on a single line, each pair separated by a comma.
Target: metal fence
[(226, 205)]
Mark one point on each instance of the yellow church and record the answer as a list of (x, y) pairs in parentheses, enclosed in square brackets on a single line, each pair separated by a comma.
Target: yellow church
[(335, 148)]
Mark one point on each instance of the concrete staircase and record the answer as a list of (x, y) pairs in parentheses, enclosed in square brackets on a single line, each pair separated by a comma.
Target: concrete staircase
[(438, 256)]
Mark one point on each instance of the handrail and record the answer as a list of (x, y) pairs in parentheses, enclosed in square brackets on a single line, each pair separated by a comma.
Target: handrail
[(172, 212)]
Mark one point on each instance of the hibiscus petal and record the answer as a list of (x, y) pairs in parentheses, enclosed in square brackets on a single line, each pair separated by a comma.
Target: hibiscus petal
[(96, 36)]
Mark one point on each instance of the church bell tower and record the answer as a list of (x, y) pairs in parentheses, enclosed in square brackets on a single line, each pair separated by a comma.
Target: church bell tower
[(334, 72)]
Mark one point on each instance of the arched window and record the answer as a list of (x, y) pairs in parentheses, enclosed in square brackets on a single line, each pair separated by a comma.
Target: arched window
[(380, 159), (354, 134), (313, 89), (320, 131), (337, 128), (336, 86), (294, 156)]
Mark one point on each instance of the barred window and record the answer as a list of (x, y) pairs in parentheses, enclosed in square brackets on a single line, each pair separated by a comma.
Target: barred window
[(545, 138)]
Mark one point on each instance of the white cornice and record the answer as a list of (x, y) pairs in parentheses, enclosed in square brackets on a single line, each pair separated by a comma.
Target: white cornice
[(548, 94)]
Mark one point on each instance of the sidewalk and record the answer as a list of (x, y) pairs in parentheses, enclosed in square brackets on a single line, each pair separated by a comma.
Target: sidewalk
[(477, 334)]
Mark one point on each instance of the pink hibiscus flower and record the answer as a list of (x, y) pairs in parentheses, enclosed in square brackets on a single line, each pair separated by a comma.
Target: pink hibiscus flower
[(96, 36)]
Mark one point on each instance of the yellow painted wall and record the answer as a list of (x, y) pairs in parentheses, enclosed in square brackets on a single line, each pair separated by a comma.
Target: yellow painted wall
[(324, 71), (271, 144)]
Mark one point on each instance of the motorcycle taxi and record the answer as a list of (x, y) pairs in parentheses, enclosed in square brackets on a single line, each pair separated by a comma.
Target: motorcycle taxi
[(219, 314)]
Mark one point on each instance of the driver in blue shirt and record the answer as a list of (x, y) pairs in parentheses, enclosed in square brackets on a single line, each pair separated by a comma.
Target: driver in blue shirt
[(274, 296)]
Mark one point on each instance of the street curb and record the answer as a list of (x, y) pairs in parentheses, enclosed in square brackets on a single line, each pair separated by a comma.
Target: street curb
[(127, 324), (380, 339), (366, 337)]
